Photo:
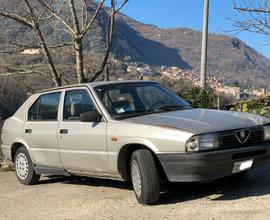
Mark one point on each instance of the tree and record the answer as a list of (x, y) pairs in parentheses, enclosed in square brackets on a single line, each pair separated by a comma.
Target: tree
[(74, 27), (252, 16), (114, 11), (77, 26), (32, 20)]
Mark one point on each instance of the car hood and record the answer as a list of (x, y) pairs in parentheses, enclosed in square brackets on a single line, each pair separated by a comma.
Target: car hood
[(201, 120)]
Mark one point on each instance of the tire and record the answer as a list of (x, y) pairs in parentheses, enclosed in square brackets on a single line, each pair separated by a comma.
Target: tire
[(24, 167), (145, 177)]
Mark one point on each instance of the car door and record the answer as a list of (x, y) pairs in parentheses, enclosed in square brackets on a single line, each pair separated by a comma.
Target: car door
[(82, 145), (40, 130)]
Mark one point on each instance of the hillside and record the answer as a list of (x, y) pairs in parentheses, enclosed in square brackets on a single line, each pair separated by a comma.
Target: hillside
[(229, 58)]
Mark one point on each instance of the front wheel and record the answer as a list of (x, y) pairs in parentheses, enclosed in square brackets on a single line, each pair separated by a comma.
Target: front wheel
[(145, 178), (24, 168)]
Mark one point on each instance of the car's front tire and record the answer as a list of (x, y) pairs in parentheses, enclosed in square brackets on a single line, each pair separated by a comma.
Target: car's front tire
[(145, 177), (24, 167)]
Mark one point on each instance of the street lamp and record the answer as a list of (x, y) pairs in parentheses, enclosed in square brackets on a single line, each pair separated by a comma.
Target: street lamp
[(204, 45)]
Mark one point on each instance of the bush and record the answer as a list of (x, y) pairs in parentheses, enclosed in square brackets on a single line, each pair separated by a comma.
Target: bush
[(6, 166), (255, 106), (200, 98)]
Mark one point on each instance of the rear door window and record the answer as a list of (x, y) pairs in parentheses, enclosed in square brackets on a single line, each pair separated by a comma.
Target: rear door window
[(45, 108)]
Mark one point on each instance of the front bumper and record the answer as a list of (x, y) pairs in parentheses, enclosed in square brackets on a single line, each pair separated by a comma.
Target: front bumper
[(206, 166)]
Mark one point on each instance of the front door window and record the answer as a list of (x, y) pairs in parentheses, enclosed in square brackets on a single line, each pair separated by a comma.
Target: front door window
[(76, 103)]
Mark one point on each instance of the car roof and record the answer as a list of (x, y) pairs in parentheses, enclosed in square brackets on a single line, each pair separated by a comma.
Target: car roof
[(94, 84)]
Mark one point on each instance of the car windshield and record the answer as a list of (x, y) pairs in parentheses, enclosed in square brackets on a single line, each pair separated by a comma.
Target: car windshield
[(124, 100)]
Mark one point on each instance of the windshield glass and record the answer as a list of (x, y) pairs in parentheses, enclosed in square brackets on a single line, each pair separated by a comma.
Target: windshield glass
[(126, 100)]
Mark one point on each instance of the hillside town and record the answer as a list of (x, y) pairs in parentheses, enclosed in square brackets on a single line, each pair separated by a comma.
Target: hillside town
[(176, 73)]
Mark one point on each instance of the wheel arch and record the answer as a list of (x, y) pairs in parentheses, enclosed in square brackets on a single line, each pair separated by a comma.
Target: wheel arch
[(15, 146), (124, 157)]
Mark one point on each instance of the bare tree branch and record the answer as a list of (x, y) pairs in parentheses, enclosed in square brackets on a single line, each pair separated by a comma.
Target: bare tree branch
[(18, 18), (60, 45), (252, 16), (90, 23), (4, 86), (121, 6), (252, 10), (114, 11), (56, 15), (23, 72), (77, 30)]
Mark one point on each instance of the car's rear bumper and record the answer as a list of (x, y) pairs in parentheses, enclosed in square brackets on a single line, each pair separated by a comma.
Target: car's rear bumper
[(6, 151), (206, 166)]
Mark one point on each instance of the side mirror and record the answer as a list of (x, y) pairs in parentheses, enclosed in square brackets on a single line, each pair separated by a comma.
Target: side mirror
[(92, 116), (189, 102)]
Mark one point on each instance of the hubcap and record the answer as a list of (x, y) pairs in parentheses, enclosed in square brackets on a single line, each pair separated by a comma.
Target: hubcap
[(22, 166), (136, 178)]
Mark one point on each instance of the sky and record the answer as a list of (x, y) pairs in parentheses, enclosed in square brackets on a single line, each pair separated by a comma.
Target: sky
[(189, 13)]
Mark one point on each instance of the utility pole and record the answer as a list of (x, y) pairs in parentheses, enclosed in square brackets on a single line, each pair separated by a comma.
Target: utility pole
[(204, 45)]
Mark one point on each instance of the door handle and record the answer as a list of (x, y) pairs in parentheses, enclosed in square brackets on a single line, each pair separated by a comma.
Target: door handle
[(28, 131), (63, 131)]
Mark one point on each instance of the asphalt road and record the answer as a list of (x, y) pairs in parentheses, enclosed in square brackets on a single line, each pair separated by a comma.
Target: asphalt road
[(88, 198)]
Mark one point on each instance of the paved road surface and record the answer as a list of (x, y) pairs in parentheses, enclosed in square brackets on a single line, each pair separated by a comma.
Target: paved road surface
[(88, 198)]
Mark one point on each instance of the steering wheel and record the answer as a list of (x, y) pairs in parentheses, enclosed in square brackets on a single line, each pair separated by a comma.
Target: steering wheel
[(154, 104)]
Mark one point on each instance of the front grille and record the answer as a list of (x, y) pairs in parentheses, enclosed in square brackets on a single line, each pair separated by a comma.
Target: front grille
[(228, 139)]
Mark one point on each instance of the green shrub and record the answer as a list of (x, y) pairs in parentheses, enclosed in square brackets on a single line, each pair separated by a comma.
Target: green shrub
[(256, 106), (200, 98)]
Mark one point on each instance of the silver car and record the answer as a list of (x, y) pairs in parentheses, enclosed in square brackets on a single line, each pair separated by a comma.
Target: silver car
[(131, 130)]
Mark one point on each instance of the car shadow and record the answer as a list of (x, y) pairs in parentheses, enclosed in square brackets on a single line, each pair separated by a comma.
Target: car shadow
[(254, 183), (87, 181)]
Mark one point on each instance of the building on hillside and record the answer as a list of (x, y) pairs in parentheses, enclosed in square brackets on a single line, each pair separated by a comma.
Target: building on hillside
[(131, 69), (258, 92), (229, 90), (146, 71), (167, 77), (32, 51)]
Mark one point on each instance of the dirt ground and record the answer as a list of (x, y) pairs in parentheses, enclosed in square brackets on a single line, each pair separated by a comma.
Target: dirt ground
[(87, 198)]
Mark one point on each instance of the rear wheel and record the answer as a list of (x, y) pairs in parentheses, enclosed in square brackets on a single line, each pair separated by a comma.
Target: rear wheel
[(24, 168), (145, 178)]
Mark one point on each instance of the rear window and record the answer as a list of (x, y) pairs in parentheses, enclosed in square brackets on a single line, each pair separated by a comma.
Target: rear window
[(45, 108)]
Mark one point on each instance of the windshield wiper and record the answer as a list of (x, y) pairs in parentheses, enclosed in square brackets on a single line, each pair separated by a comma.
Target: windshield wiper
[(170, 108)]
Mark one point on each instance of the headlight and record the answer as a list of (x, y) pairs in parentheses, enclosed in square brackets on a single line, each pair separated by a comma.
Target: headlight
[(204, 142), (266, 133)]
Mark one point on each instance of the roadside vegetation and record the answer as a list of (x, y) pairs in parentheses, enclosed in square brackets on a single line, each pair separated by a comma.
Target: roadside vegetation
[(209, 99), (259, 106)]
